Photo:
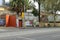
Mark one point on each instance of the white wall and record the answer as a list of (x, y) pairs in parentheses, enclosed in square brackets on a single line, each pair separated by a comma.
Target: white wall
[(30, 16)]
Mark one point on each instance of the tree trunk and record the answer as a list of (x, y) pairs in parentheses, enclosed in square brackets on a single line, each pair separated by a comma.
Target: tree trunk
[(17, 13), (54, 20), (39, 12)]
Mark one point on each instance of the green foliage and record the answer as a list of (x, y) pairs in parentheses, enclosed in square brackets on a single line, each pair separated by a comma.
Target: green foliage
[(35, 12), (18, 5), (39, 7), (51, 5)]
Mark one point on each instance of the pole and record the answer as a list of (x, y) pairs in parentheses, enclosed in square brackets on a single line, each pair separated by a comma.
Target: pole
[(39, 12), (54, 19)]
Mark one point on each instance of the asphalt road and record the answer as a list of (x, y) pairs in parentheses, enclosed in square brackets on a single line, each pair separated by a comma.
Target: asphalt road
[(53, 35)]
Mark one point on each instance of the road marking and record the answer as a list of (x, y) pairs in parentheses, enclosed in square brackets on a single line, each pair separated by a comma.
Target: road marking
[(56, 36), (26, 38)]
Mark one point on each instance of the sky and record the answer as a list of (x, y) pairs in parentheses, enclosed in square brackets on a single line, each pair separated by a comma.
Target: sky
[(1, 1), (6, 1), (35, 3)]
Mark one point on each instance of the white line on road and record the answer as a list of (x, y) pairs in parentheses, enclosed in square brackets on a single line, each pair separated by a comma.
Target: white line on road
[(56, 36), (26, 38)]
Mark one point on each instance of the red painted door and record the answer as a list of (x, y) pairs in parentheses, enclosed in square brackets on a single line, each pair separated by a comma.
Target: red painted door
[(20, 23), (7, 20), (12, 21)]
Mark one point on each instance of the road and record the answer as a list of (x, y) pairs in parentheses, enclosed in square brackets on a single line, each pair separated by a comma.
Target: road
[(35, 34)]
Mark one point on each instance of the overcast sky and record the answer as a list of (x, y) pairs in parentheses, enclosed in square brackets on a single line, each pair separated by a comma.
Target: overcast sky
[(1, 1), (35, 3), (7, 1)]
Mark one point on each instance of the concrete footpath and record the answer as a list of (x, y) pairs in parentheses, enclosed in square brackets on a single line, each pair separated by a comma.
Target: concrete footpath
[(6, 32)]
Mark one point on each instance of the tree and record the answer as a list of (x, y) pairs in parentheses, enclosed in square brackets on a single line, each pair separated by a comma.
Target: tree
[(39, 8), (49, 4), (18, 5), (35, 12), (52, 5)]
